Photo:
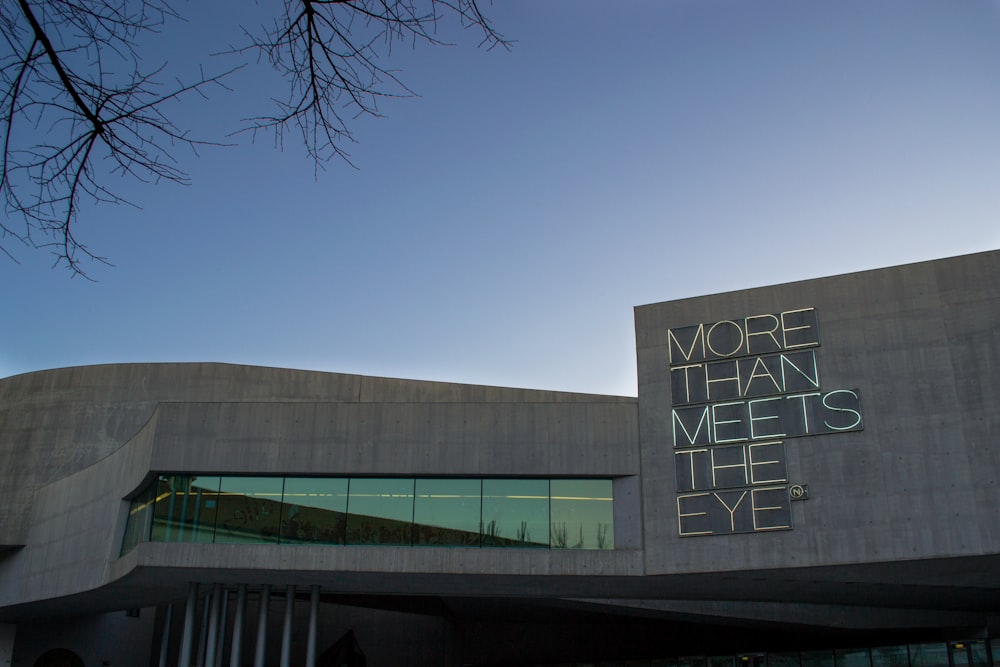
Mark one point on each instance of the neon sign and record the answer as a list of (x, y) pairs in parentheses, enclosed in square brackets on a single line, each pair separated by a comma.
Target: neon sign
[(740, 388)]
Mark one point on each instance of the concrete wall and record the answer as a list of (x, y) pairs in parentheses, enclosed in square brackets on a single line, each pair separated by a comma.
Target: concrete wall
[(75, 473), (922, 480), (897, 512), (60, 421)]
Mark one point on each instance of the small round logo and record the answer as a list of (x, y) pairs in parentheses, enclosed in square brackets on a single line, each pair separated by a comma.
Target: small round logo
[(798, 492)]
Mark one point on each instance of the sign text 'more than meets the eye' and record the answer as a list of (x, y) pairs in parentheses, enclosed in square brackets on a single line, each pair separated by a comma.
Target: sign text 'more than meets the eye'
[(740, 388)]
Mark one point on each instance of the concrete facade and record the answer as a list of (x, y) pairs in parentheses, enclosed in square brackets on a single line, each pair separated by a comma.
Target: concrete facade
[(843, 490)]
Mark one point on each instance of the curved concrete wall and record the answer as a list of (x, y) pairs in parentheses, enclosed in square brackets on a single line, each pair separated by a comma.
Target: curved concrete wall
[(84, 439)]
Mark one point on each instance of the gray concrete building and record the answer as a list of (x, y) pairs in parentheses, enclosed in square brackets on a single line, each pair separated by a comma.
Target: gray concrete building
[(809, 477)]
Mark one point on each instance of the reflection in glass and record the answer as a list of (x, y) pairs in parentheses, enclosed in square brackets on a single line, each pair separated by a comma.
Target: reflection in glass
[(516, 512), (446, 512), (202, 506), (380, 511), (852, 657), (185, 508), (248, 511), (560, 513), (163, 509), (314, 510), (721, 661), (968, 654), (890, 656), (929, 655), (140, 519), (977, 654), (582, 514), (691, 661), (817, 658), (784, 659)]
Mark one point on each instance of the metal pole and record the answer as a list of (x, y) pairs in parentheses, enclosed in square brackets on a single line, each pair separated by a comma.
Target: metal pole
[(170, 514), (258, 656), (213, 625), (184, 660), (165, 639), (203, 634), (286, 631), (236, 648), (221, 644), (313, 614)]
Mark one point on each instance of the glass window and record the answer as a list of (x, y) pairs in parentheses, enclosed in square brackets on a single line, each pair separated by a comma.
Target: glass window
[(140, 518), (977, 653), (446, 512), (560, 513), (516, 512), (163, 510), (185, 508), (929, 655), (852, 657), (959, 652), (968, 654), (816, 658), (582, 514), (787, 660), (248, 510), (202, 507), (314, 510), (380, 511), (691, 661), (890, 656), (165, 523)]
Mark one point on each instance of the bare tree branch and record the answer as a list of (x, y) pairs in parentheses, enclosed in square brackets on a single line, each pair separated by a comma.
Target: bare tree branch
[(76, 108), (68, 124), (330, 53)]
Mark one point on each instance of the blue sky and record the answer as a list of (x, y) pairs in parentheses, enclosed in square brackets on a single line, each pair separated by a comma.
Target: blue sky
[(501, 226)]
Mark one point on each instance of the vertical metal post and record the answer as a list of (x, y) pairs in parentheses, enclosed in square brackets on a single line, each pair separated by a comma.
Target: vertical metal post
[(196, 521), (236, 648), (258, 656), (165, 638), (183, 516), (184, 660), (221, 643), (286, 631), (313, 614), (170, 512), (203, 633), (213, 625)]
